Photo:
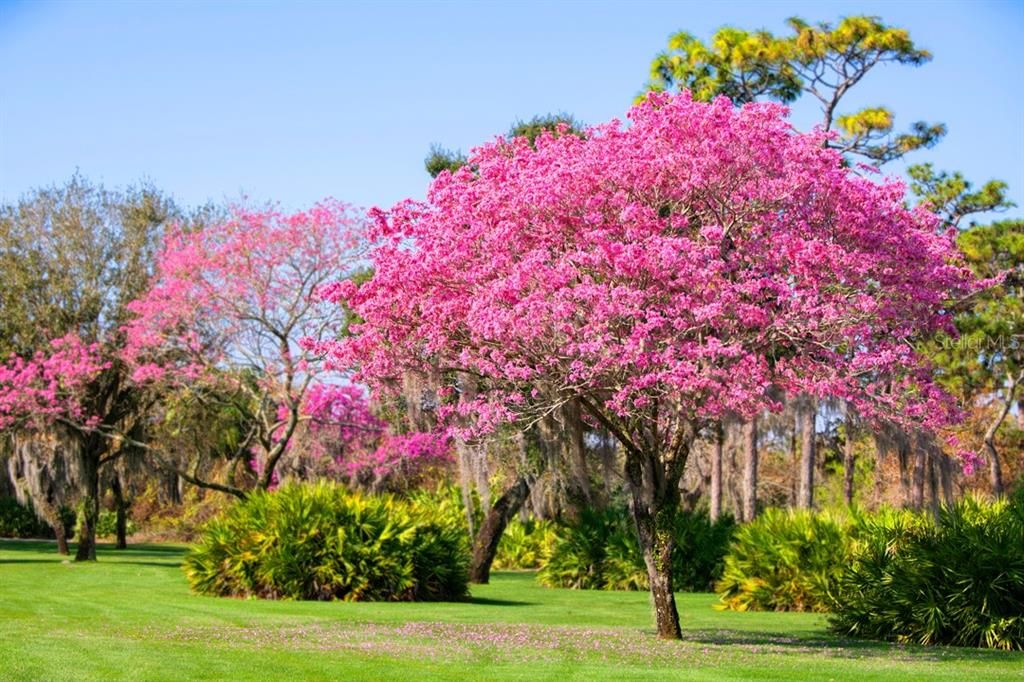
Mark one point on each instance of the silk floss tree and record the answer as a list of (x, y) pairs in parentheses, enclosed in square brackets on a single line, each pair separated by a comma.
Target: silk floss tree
[(664, 273)]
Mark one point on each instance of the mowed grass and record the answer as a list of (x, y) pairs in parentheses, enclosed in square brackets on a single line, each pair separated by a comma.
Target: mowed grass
[(131, 616)]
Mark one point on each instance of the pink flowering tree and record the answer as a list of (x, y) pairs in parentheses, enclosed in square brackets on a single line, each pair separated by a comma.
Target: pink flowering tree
[(663, 274), (227, 307), (342, 437)]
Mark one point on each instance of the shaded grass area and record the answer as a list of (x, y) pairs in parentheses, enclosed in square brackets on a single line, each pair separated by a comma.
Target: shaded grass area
[(131, 616)]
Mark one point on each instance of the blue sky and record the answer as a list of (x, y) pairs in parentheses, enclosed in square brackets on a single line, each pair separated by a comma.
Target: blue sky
[(297, 101)]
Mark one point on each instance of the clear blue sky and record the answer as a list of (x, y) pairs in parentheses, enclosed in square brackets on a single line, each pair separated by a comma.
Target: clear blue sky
[(297, 101)]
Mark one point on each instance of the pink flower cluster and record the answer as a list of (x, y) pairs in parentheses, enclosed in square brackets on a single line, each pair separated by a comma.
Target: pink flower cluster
[(241, 293), (50, 385), (668, 272), (402, 455)]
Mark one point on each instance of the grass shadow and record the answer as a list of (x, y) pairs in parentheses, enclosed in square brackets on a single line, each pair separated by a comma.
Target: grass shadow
[(844, 647), (485, 601)]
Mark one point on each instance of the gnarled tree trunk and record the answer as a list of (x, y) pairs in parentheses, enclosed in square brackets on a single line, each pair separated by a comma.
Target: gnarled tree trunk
[(654, 486), (485, 546), (121, 510), (995, 468), (89, 504)]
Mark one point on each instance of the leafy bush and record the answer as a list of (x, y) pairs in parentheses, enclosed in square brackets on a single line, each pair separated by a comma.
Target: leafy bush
[(957, 581), (579, 551), (324, 542), (784, 560), (106, 524), (525, 544), (20, 521), (602, 552)]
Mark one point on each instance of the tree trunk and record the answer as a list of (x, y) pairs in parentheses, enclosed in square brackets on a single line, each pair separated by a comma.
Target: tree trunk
[(995, 469), (917, 477), (716, 473), (580, 490), (653, 480), (750, 470), (62, 538), (121, 510), (491, 530), (903, 455), (880, 453), (89, 505), (466, 484), (946, 478), (654, 487), (656, 533), (849, 460), (805, 494)]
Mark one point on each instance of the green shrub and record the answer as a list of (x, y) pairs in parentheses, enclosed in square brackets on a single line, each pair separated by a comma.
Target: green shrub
[(601, 552), (324, 542), (106, 524), (784, 560), (957, 581), (525, 544), (20, 521), (578, 553), (701, 546)]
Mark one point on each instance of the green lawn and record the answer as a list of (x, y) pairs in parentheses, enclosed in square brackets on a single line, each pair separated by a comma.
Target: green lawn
[(131, 616)]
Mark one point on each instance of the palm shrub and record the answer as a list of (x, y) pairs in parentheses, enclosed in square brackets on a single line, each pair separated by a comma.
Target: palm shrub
[(324, 542), (525, 544), (959, 580), (785, 560), (702, 545), (578, 553), (601, 551)]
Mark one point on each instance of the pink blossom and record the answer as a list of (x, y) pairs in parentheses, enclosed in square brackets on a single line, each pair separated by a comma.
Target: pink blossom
[(667, 273)]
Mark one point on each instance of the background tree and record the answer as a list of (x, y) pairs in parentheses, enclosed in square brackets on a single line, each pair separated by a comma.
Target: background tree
[(819, 60), (986, 362), (227, 308), (72, 257)]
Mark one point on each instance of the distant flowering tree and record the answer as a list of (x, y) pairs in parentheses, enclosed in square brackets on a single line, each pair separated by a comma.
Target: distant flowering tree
[(51, 385), (342, 437), (662, 274), (72, 256), (230, 302)]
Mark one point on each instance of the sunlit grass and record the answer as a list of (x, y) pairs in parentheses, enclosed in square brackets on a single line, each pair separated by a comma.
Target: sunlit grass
[(131, 616)]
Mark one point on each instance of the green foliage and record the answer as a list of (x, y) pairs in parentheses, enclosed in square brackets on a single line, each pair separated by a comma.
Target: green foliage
[(440, 159), (72, 257), (957, 581), (106, 524), (554, 123), (525, 544), (20, 521), (989, 352), (784, 560), (601, 552), (17, 521), (323, 542), (952, 196), (821, 60)]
